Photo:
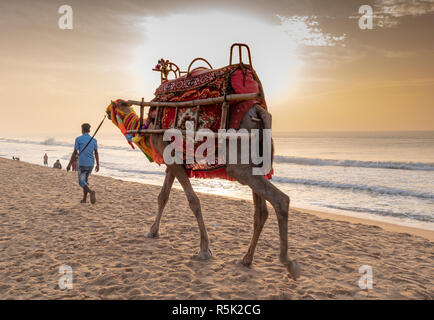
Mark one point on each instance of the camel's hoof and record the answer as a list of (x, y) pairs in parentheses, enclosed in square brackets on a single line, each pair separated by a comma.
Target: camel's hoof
[(294, 269), (152, 235), (203, 255), (246, 262)]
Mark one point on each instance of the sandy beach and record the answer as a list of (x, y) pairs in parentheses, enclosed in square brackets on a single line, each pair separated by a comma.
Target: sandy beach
[(43, 226)]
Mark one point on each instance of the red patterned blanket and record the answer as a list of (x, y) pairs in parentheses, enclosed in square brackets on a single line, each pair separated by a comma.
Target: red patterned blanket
[(203, 84)]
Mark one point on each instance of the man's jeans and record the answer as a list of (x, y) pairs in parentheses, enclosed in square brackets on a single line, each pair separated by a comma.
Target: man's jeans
[(83, 175)]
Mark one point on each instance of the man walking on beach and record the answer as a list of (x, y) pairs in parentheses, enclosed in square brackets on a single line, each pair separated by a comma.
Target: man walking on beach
[(85, 147), (46, 160)]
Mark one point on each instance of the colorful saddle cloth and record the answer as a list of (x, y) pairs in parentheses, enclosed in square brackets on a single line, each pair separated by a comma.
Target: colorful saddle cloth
[(203, 84)]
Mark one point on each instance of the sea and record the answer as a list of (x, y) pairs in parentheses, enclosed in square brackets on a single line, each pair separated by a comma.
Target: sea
[(386, 176)]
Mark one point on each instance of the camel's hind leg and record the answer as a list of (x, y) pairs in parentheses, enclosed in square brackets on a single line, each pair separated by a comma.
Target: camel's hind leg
[(162, 201), (261, 215), (280, 203), (179, 172)]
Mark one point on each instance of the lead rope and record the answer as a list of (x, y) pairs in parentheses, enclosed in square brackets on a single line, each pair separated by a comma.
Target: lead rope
[(93, 135)]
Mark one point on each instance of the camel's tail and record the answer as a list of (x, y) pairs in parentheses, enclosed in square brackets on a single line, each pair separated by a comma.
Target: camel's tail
[(265, 124)]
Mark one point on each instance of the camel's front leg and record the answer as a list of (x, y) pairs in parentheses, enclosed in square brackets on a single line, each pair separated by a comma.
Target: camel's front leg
[(179, 172), (162, 201)]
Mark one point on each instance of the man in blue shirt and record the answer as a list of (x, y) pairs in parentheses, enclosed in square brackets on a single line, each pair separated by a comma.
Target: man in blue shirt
[(86, 160)]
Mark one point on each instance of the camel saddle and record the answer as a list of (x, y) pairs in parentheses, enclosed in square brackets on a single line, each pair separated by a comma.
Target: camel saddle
[(205, 83)]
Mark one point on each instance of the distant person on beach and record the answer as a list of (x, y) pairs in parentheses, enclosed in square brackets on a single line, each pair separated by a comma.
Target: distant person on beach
[(85, 148), (46, 160), (57, 165)]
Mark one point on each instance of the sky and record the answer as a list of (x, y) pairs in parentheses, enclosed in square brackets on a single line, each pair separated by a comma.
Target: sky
[(319, 69)]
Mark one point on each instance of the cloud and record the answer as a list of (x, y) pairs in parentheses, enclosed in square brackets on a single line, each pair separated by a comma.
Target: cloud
[(305, 30), (401, 8), (387, 13)]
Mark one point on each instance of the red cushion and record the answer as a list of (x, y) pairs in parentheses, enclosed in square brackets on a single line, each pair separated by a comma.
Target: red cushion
[(243, 82)]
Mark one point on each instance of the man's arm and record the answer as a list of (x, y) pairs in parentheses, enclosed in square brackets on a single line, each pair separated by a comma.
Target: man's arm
[(73, 158), (97, 161)]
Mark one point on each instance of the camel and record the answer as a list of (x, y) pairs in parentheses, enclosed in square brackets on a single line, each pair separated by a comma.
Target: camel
[(262, 189)]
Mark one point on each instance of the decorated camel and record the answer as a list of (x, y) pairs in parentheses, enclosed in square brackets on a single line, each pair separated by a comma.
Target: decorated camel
[(212, 99)]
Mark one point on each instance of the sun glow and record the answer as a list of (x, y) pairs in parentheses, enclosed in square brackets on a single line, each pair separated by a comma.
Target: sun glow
[(183, 37)]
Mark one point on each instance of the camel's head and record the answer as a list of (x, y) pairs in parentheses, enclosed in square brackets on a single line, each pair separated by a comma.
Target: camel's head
[(120, 107), (117, 111)]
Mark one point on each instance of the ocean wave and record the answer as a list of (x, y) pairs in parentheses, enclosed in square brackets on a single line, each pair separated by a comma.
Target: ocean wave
[(47, 142), (50, 142), (116, 168), (355, 163), (357, 187), (54, 142), (385, 213)]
